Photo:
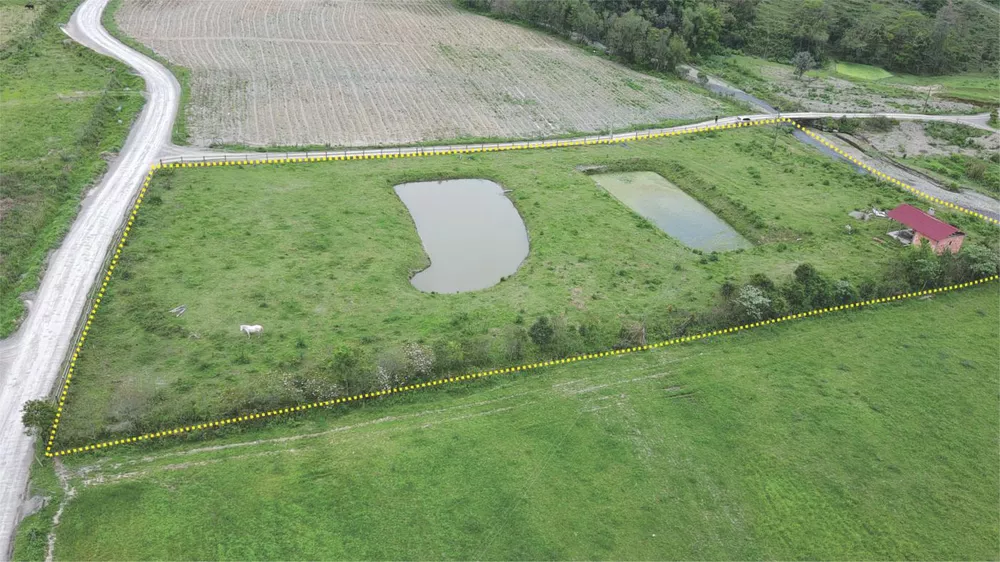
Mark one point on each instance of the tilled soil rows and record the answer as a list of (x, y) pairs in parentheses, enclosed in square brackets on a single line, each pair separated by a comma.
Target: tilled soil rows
[(365, 73)]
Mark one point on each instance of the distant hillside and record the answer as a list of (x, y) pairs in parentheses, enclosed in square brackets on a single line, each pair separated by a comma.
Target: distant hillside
[(913, 36), (909, 36)]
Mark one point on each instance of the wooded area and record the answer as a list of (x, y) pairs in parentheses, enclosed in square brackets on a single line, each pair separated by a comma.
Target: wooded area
[(922, 37)]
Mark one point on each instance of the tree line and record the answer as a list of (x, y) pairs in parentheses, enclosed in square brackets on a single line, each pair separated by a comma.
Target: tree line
[(929, 37)]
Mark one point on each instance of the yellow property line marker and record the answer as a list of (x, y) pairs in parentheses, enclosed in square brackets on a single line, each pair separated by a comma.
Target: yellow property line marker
[(482, 374), (893, 180), (436, 152)]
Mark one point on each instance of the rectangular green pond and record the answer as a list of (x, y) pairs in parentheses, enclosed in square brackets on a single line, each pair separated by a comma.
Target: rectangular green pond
[(671, 209)]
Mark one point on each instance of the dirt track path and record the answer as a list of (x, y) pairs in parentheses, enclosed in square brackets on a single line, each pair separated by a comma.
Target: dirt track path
[(31, 359), (968, 199)]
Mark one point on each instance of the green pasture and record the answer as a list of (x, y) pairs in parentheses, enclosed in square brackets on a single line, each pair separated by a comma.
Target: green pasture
[(869, 434), (321, 254), (64, 111), (861, 71), (747, 73)]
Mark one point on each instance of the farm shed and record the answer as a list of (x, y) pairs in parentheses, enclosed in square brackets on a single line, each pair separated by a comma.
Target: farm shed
[(940, 235)]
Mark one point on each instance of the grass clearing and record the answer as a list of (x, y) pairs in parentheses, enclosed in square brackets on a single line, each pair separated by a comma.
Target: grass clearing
[(740, 447), (855, 87), (64, 111), (857, 71), (15, 21), (304, 250), (981, 88), (960, 170)]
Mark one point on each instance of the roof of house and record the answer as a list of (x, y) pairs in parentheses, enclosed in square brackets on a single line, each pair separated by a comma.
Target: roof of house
[(922, 222)]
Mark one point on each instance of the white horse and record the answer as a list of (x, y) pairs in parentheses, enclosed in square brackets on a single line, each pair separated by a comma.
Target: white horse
[(251, 329)]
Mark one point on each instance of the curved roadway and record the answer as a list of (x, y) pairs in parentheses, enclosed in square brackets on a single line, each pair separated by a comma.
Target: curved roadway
[(31, 360)]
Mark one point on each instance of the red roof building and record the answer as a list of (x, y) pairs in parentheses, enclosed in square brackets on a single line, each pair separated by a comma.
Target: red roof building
[(940, 235)]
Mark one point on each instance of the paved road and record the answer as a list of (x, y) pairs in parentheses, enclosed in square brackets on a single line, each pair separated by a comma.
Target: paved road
[(31, 360)]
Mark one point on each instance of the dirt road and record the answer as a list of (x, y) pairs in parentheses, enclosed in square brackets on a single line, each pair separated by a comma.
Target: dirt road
[(969, 200), (31, 359)]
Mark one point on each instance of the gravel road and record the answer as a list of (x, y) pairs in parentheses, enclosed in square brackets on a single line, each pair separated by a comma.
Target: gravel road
[(31, 359)]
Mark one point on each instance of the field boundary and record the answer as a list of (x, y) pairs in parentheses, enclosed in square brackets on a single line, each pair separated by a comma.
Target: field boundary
[(465, 149)]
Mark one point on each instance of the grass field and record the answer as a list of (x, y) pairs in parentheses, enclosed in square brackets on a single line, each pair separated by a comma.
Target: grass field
[(15, 21), (966, 171), (63, 111), (320, 254), (982, 88), (862, 435), (855, 87), (861, 71)]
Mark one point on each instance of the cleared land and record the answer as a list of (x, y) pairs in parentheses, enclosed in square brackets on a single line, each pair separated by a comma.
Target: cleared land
[(857, 88), (742, 447), (957, 156), (321, 254), (64, 111), (348, 73)]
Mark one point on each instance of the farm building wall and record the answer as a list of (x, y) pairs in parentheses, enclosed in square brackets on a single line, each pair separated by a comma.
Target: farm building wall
[(952, 243)]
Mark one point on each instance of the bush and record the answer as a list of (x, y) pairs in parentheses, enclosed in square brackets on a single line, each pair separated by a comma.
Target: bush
[(391, 370), (449, 357), (420, 359), (975, 169), (542, 332), (515, 339), (751, 304), (844, 292), (981, 261), (37, 416), (762, 281), (632, 334), (728, 289)]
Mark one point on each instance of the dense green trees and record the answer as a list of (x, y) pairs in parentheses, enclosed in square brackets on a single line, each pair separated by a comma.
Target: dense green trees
[(935, 36)]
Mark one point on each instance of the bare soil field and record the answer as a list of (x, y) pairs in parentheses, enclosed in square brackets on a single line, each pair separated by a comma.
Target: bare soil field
[(363, 73), (911, 139), (828, 93)]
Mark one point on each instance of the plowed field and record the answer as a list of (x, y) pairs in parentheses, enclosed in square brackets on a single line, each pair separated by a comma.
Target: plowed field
[(362, 73)]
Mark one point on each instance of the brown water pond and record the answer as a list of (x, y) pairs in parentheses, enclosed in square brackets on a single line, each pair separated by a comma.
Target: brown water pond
[(470, 230)]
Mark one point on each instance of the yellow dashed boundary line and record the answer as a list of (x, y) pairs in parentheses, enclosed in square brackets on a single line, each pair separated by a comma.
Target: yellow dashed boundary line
[(93, 311), (482, 374), (893, 180), (436, 152)]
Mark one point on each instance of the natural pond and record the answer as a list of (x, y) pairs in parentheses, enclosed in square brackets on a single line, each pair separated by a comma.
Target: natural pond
[(470, 230), (672, 210)]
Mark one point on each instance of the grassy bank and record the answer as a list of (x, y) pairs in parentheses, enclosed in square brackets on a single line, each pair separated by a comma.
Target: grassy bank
[(64, 112), (667, 123), (881, 445), (961, 171), (320, 254), (179, 135)]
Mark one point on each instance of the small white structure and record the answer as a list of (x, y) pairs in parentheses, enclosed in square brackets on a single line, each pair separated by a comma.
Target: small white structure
[(251, 329)]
